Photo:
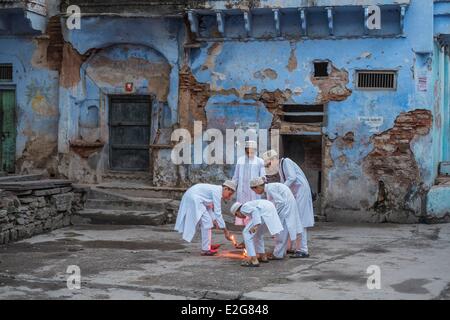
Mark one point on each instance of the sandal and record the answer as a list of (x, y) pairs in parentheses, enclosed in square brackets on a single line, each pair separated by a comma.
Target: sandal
[(265, 260), (240, 246), (249, 264), (273, 258), (299, 255), (215, 246), (209, 253)]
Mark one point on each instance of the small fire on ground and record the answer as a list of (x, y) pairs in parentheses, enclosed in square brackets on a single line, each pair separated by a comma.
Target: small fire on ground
[(235, 244)]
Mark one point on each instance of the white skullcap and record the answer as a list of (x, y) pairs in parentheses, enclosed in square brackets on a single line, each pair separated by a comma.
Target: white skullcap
[(230, 184), (235, 208), (251, 145), (269, 155), (257, 182)]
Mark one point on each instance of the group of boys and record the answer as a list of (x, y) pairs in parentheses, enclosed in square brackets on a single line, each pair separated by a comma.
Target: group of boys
[(285, 209)]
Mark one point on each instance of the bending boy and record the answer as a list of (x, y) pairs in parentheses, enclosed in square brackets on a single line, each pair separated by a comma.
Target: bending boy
[(263, 217), (201, 206)]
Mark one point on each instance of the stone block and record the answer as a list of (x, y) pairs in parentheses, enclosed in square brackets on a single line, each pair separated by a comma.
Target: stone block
[(13, 235), (38, 228), (63, 202), (66, 189), (47, 192), (27, 200), (4, 237), (66, 221), (6, 227), (42, 214), (47, 225)]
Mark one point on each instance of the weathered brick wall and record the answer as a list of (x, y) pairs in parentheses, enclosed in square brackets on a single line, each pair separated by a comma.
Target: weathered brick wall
[(31, 213)]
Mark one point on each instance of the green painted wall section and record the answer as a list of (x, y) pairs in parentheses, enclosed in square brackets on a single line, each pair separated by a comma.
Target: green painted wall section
[(8, 130)]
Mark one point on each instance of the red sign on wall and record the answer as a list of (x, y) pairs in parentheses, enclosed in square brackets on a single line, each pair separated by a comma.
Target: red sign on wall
[(129, 87)]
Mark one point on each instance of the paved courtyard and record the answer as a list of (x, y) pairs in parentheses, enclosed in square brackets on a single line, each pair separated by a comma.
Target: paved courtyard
[(122, 262)]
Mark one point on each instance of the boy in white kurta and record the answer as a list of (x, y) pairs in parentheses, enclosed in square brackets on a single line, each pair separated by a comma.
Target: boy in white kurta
[(263, 217), (294, 177), (283, 199), (201, 206), (248, 168)]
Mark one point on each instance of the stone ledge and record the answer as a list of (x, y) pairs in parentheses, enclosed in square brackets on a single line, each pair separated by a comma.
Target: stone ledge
[(28, 212)]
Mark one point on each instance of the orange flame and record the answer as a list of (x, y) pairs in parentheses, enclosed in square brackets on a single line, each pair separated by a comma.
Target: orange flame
[(245, 253), (233, 239)]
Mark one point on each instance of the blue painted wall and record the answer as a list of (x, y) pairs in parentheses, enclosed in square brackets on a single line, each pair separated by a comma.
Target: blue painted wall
[(238, 73), (37, 104)]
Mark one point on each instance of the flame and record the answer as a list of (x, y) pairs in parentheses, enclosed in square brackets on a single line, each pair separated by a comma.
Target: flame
[(235, 243), (233, 239)]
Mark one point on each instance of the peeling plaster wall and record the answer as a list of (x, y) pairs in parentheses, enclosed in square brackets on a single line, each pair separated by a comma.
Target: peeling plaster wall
[(225, 83), (99, 60), (248, 71), (37, 104)]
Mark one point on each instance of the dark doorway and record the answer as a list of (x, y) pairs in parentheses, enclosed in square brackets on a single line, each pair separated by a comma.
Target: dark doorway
[(7, 131), (306, 151), (130, 125)]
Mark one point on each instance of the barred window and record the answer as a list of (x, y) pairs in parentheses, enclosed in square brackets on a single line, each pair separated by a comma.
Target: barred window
[(377, 80)]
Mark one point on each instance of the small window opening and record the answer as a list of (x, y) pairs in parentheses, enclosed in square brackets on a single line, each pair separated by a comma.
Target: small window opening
[(312, 114), (321, 69), (6, 72)]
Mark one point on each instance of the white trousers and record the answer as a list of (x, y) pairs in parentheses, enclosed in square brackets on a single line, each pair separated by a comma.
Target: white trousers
[(205, 225), (304, 242), (254, 243), (281, 242)]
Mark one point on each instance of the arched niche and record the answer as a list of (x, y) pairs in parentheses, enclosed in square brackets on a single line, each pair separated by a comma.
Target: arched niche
[(112, 68)]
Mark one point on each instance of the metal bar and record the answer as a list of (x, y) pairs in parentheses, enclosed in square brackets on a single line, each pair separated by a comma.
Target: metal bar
[(277, 18), (130, 124), (303, 114), (248, 23), (330, 20), (193, 21), (130, 147), (220, 22), (304, 21)]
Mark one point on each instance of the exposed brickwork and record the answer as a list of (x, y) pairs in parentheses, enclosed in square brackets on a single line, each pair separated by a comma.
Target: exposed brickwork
[(392, 163), (333, 87), (193, 99), (56, 43)]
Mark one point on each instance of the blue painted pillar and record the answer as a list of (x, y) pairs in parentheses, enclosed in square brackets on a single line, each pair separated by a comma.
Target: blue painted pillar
[(446, 107)]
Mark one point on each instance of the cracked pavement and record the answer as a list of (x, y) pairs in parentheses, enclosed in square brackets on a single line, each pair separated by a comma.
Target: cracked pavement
[(137, 262)]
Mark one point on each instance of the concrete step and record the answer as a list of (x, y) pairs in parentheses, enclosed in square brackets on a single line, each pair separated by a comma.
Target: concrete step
[(22, 178), (149, 204), (127, 177), (121, 217), (443, 180), (444, 168), (142, 191), (108, 207)]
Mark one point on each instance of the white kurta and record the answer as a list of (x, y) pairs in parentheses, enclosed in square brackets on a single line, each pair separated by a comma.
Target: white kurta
[(294, 177), (200, 200), (246, 170), (263, 212), (283, 199)]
